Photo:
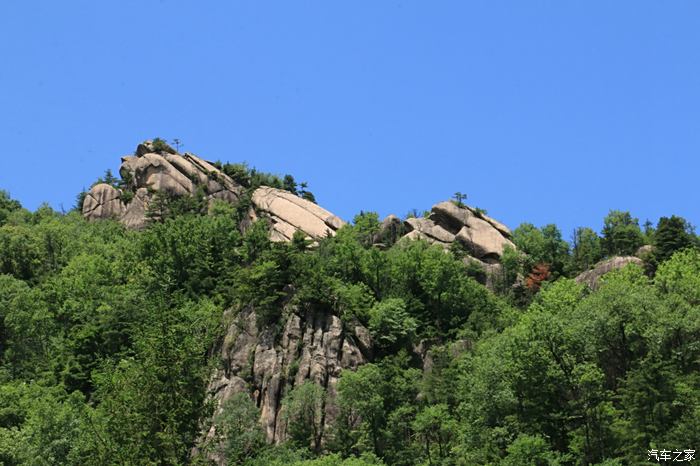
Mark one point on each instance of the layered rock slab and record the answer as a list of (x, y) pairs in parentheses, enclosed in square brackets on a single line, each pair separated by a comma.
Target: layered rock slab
[(484, 237), (289, 213)]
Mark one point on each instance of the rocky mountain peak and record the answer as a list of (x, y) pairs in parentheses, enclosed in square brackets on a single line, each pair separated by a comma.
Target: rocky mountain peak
[(155, 169)]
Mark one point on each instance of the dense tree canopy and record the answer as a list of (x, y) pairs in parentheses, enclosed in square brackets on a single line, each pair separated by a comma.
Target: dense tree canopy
[(106, 338)]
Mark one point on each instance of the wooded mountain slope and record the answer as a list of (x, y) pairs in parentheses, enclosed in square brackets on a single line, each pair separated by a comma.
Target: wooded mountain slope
[(197, 339)]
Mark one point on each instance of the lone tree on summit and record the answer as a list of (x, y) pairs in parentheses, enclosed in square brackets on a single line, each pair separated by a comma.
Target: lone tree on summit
[(459, 198)]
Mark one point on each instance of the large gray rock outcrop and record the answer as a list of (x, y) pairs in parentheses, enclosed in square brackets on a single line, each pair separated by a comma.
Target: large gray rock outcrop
[(157, 169), (154, 170), (103, 201), (179, 175), (314, 346), (390, 230), (426, 228), (592, 277), (482, 236), (288, 213)]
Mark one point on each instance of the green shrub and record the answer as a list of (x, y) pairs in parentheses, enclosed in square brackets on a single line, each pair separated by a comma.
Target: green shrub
[(159, 145)]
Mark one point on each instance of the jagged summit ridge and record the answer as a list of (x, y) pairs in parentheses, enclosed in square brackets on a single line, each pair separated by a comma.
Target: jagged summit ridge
[(156, 168)]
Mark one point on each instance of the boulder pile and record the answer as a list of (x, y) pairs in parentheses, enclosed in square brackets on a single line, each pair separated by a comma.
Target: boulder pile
[(157, 168)]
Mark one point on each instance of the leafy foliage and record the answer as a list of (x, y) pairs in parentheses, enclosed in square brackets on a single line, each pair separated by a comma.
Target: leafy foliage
[(304, 415), (587, 249), (672, 234), (239, 434), (106, 340), (160, 145), (390, 323), (621, 234)]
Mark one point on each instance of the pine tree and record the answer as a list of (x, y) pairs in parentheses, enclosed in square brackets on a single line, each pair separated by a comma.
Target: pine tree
[(672, 234), (621, 234)]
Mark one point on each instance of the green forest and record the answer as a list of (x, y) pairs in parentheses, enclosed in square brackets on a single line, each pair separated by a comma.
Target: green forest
[(106, 338)]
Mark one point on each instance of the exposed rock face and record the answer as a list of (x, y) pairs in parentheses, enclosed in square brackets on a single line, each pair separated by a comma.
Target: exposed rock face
[(592, 277), (426, 228), (103, 201), (289, 213), (484, 237), (390, 230), (313, 346), (157, 169), (135, 214), (178, 175)]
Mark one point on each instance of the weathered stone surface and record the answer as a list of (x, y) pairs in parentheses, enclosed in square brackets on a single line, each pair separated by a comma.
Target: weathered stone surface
[(390, 230), (149, 172), (484, 241), (364, 341), (450, 216), (134, 215), (154, 171), (314, 346), (430, 229), (103, 201), (493, 274), (289, 213), (419, 235), (483, 236), (592, 277), (505, 231), (453, 217)]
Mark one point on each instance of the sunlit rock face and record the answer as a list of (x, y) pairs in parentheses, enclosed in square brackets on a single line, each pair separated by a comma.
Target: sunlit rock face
[(155, 169), (289, 213), (592, 277)]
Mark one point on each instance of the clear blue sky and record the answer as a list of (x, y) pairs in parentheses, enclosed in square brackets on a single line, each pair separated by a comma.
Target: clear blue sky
[(541, 111)]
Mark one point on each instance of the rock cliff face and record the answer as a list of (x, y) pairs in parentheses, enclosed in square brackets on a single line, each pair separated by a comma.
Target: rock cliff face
[(592, 277), (313, 346)]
